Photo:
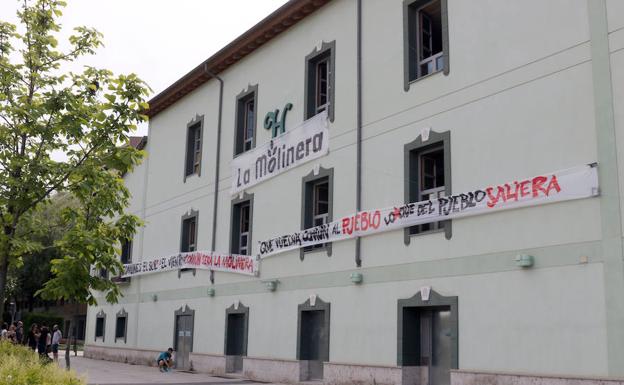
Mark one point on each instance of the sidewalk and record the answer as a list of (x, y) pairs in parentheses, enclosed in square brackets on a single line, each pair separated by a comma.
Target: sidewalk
[(99, 372)]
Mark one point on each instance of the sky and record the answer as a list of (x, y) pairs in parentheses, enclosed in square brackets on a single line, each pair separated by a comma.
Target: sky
[(159, 40)]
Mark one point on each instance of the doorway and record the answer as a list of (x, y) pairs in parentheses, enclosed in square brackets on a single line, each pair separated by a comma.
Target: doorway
[(236, 326), (427, 344), (313, 339), (183, 337)]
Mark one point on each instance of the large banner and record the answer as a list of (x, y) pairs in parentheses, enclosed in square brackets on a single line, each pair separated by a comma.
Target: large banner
[(307, 142), (207, 260), (575, 183)]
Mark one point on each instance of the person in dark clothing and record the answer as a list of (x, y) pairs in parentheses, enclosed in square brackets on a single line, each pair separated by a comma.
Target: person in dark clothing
[(19, 332), (42, 344), (33, 337)]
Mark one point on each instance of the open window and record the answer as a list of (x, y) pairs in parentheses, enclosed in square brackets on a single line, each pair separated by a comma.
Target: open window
[(426, 38), (192, 165), (242, 215), (428, 177), (189, 232), (246, 117), (317, 203), (320, 81)]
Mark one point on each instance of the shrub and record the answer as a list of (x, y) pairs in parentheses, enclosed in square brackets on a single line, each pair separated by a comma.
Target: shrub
[(41, 318), (21, 366)]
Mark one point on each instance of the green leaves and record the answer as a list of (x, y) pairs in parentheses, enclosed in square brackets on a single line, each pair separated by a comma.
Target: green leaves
[(88, 116)]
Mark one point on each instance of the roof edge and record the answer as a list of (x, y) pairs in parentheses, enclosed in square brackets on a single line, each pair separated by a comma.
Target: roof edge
[(268, 28)]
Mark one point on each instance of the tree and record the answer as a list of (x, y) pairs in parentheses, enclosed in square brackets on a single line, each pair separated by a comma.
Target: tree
[(86, 115), (33, 270)]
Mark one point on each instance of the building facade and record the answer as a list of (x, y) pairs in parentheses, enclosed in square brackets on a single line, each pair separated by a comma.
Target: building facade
[(422, 100)]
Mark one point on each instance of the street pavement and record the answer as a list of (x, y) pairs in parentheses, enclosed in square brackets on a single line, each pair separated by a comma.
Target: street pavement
[(98, 372)]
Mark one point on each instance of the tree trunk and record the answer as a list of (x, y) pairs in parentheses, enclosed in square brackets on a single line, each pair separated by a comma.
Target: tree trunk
[(4, 269)]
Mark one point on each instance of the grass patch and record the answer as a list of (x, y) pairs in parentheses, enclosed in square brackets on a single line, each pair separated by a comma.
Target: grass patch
[(21, 366)]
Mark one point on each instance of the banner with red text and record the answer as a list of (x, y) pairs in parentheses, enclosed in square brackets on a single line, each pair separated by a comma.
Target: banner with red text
[(206, 260), (575, 183)]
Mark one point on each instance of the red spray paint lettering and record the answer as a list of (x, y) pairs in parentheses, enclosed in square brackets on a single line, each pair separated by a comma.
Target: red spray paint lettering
[(519, 190), (361, 221)]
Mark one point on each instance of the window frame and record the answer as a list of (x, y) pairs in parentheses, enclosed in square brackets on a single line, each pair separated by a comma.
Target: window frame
[(196, 123), (186, 218), (125, 244), (121, 314), (191, 214), (308, 183), (412, 178), (411, 28), (101, 315), (235, 223), (327, 52), (240, 126)]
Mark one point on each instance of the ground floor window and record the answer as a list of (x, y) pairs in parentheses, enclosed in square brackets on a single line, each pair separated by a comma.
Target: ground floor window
[(100, 325), (121, 326)]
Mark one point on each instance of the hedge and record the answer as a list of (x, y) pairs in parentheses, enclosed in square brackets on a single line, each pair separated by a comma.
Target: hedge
[(20, 366), (40, 319)]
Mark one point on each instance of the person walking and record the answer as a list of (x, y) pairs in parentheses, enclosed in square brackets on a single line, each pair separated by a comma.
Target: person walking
[(42, 343), (33, 337), (56, 340)]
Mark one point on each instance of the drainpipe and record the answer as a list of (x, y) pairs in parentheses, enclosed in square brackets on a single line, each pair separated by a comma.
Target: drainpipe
[(358, 183), (217, 163)]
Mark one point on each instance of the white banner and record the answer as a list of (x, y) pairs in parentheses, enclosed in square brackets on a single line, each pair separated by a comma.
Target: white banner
[(575, 183), (307, 142), (206, 260)]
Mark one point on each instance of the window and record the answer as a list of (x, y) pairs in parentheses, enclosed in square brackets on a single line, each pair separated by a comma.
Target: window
[(246, 109), (126, 251), (100, 325), (319, 85), (189, 232), (194, 147), (240, 242), (125, 258), (121, 325), (317, 196), (427, 175), (426, 38)]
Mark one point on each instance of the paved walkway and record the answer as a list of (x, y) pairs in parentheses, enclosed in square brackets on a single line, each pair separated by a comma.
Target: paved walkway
[(99, 372)]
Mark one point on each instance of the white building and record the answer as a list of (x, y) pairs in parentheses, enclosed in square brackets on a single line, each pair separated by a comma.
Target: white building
[(421, 96)]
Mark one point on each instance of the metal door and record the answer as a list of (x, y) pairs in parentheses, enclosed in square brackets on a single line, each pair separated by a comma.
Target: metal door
[(235, 346), (184, 341), (435, 344), (314, 339)]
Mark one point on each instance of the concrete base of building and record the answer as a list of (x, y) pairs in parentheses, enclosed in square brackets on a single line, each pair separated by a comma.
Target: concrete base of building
[(208, 363), (128, 356), (294, 372), (470, 377), (271, 370)]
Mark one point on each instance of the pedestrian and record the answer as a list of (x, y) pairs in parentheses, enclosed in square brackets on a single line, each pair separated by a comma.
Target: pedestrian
[(4, 331), (42, 343), (33, 337), (164, 360), (19, 332), (10, 335), (56, 340)]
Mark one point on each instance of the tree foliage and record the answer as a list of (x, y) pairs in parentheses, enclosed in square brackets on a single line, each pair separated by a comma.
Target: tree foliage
[(88, 116)]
